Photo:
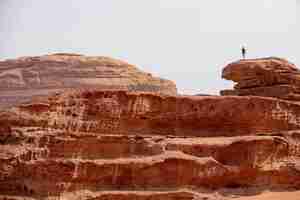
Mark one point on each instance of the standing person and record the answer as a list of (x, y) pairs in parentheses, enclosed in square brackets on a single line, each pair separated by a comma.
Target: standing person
[(244, 52)]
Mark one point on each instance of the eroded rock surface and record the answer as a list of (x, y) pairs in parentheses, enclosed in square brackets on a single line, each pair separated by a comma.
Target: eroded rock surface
[(270, 77), (120, 112), (94, 144), (32, 77)]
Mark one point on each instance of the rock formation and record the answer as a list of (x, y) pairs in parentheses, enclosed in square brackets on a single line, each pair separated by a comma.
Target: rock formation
[(270, 77), (90, 144), (122, 145), (31, 77)]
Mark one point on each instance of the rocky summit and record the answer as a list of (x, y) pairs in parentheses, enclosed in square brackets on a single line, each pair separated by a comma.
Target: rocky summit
[(29, 78), (92, 144), (270, 77)]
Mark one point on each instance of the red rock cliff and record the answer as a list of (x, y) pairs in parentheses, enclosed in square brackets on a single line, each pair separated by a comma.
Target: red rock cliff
[(122, 145)]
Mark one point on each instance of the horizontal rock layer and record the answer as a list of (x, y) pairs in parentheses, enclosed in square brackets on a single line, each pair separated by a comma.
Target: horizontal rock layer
[(129, 195), (112, 112), (31, 166)]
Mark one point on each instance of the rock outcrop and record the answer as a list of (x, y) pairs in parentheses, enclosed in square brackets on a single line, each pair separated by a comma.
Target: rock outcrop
[(32, 77), (90, 144), (124, 145), (270, 77)]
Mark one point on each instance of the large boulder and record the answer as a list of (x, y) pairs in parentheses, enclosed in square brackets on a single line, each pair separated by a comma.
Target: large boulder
[(31, 77), (271, 77)]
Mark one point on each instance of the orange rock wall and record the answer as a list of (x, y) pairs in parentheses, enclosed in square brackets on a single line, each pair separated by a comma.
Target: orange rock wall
[(118, 145)]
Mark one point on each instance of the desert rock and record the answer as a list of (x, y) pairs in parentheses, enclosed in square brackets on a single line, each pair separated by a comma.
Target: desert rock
[(94, 144), (270, 77), (32, 77)]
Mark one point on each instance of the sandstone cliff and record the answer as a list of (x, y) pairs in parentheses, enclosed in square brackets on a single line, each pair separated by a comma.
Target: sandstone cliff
[(271, 77), (90, 144), (30, 77), (123, 145)]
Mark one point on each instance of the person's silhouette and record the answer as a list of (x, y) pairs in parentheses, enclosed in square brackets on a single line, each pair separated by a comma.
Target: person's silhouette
[(244, 52)]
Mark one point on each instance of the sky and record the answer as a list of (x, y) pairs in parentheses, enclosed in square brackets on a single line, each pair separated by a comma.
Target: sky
[(187, 41)]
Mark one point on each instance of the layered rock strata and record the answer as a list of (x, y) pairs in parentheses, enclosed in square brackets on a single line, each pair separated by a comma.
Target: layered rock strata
[(270, 77), (123, 145), (32, 77)]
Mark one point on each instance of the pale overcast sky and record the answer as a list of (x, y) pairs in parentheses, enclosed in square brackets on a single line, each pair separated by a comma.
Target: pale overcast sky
[(187, 41)]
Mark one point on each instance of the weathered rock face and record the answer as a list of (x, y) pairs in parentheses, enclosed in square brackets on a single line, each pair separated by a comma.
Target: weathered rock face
[(123, 145), (119, 112), (270, 77), (31, 77)]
